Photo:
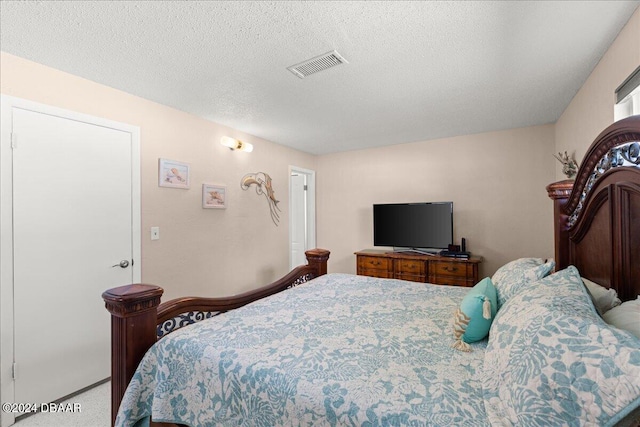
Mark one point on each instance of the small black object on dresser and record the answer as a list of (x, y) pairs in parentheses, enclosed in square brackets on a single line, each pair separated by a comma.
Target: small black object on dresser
[(455, 254)]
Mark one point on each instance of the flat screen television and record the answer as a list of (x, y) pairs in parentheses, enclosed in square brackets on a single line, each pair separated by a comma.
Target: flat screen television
[(424, 227)]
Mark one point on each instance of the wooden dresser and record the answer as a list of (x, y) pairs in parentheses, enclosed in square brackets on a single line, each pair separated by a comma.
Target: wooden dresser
[(418, 268)]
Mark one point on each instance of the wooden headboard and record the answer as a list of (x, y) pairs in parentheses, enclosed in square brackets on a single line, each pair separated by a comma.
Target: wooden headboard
[(597, 216)]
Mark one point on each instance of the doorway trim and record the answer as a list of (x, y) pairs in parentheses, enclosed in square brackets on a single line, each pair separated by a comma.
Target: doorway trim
[(311, 209), (7, 105)]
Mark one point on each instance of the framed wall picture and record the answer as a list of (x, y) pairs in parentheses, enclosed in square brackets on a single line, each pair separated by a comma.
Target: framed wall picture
[(173, 174), (214, 196)]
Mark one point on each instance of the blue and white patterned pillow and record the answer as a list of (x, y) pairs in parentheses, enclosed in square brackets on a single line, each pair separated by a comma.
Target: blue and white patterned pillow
[(513, 276), (551, 360)]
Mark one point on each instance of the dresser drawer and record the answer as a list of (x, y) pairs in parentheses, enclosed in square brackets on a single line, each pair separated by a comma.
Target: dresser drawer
[(411, 277), (448, 268), (374, 263), (418, 268), (453, 281), (383, 274), (411, 267)]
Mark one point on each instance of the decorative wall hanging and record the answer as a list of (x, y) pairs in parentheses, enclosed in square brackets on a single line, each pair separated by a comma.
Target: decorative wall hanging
[(173, 174), (263, 185), (569, 166), (214, 196)]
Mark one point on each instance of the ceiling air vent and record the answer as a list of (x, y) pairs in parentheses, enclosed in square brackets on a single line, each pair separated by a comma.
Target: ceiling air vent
[(319, 63)]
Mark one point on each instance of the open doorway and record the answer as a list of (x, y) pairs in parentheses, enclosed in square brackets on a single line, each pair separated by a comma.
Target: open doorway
[(302, 214)]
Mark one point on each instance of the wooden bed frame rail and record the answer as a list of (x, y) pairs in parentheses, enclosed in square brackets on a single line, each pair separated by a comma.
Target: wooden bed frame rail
[(136, 314)]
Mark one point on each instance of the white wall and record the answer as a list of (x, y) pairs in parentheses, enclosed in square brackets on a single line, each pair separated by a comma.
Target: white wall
[(496, 181)]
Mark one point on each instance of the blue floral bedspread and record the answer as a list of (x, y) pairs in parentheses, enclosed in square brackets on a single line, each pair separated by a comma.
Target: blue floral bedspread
[(338, 350)]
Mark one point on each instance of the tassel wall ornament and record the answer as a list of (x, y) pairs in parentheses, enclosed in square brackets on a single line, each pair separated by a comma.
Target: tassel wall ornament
[(263, 184)]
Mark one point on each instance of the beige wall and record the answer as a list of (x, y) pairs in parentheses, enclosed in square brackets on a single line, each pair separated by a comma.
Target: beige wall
[(591, 110), (206, 252), (496, 181)]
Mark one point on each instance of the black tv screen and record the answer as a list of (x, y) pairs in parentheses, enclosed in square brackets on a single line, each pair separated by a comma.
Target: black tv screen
[(413, 225)]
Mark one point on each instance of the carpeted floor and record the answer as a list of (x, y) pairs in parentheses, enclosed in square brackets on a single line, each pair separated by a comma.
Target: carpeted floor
[(94, 411)]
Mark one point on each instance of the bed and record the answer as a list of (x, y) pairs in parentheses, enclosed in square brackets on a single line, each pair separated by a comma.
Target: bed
[(336, 349)]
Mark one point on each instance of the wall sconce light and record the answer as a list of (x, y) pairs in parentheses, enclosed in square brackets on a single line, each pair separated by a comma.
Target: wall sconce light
[(235, 144)]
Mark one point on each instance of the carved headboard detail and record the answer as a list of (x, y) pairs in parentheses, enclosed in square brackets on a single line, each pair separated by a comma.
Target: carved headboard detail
[(597, 217)]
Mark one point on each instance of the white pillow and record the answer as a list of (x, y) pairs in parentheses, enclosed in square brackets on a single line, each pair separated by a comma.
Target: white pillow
[(604, 299), (514, 276), (626, 316)]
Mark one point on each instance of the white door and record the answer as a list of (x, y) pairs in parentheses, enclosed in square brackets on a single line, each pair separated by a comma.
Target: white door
[(301, 214), (75, 234), (298, 219)]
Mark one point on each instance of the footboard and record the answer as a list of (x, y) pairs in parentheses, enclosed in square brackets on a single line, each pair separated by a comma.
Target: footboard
[(138, 319)]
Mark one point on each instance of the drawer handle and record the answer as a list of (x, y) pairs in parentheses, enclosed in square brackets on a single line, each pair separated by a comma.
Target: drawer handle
[(451, 269), (375, 263)]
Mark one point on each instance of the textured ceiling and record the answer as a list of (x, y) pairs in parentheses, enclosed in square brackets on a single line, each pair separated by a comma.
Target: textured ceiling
[(416, 70)]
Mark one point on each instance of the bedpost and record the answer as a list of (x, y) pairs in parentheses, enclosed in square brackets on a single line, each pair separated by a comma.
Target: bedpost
[(133, 311), (318, 258), (559, 192)]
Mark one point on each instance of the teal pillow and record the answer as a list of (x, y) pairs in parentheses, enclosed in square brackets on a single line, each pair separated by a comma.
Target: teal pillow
[(473, 318)]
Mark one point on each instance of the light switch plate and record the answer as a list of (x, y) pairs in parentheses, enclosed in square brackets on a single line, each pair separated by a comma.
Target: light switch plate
[(155, 233)]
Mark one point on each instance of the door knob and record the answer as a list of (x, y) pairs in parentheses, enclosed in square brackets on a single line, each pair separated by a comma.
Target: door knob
[(123, 264)]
